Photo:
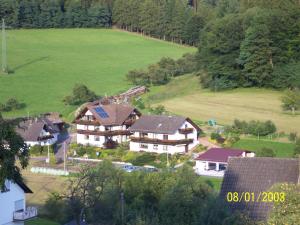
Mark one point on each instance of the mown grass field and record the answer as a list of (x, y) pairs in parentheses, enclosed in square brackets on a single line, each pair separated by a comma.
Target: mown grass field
[(47, 64), (42, 186), (184, 96), (281, 149)]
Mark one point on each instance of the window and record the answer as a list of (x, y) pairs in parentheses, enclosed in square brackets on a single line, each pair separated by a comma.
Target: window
[(86, 127), (97, 128), (143, 135), (165, 147), (155, 136), (86, 137), (97, 138), (19, 205), (155, 147), (144, 146), (165, 137)]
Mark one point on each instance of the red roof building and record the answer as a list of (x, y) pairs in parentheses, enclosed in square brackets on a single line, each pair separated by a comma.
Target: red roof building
[(214, 161)]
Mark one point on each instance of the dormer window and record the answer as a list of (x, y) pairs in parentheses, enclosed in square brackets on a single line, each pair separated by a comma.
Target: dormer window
[(6, 186)]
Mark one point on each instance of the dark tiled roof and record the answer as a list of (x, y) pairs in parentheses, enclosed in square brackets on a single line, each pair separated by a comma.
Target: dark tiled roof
[(117, 113), (158, 124), (256, 175), (25, 188), (30, 130), (219, 154)]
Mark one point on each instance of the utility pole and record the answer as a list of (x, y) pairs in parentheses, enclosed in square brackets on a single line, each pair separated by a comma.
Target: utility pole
[(4, 59), (64, 156), (48, 154), (122, 207), (168, 164)]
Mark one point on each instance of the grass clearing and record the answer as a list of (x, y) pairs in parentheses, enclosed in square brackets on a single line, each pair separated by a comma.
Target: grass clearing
[(47, 63), (214, 181), (42, 185), (282, 150), (185, 97)]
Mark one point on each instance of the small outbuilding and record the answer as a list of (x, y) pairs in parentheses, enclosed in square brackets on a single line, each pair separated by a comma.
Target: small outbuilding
[(214, 161)]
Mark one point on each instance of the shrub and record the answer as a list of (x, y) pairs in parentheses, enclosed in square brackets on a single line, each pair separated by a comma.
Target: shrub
[(215, 136), (80, 95), (158, 110), (138, 102), (293, 136), (130, 156), (297, 148), (254, 127), (143, 159), (11, 104), (55, 208), (36, 150), (265, 152)]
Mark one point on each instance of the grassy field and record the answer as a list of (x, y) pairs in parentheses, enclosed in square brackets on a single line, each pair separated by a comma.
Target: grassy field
[(42, 185), (184, 96), (281, 149), (47, 64), (216, 182)]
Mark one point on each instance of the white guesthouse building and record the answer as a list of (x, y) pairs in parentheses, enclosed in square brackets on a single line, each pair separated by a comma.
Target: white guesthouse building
[(13, 203), (39, 131), (105, 125), (163, 134)]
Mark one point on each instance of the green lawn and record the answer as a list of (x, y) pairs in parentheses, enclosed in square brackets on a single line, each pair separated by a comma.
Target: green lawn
[(47, 63), (215, 182), (184, 96), (280, 148), (39, 221)]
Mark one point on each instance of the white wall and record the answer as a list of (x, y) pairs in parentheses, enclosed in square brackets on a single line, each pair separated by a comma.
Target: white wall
[(91, 141), (135, 146), (7, 203)]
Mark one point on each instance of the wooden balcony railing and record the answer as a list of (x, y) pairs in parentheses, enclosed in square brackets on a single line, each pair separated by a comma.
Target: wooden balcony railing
[(186, 131), (104, 133), (129, 122), (87, 122), (29, 213), (160, 141), (47, 137)]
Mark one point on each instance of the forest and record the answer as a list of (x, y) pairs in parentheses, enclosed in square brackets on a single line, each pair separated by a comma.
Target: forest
[(241, 43)]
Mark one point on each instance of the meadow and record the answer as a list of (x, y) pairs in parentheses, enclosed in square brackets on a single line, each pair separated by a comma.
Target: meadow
[(281, 149), (184, 96), (47, 63)]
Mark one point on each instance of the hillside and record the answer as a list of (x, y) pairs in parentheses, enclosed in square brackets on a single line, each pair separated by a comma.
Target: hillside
[(184, 96), (47, 63)]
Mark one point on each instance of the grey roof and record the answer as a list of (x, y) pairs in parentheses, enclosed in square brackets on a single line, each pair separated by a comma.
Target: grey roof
[(161, 124), (256, 175), (30, 130)]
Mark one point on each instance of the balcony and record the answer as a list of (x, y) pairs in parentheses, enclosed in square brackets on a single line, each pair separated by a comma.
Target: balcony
[(129, 122), (44, 138), (87, 122), (29, 213), (160, 141), (186, 131), (104, 133)]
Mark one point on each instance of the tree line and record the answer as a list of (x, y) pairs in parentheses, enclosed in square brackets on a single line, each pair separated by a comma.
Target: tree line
[(56, 13), (241, 43), (107, 195)]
